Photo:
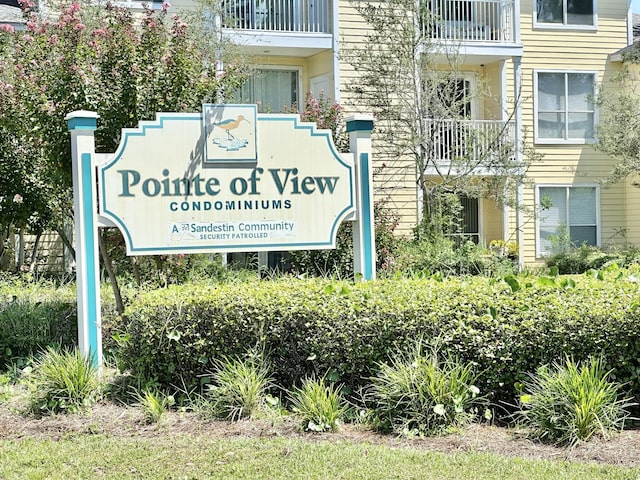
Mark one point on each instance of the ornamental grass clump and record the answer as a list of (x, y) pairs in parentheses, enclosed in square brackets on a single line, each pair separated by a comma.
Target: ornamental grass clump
[(239, 388), (423, 393), (63, 381), (319, 404), (154, 404), (572, 402)]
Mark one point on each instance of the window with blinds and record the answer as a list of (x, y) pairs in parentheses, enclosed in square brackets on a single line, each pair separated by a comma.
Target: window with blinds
[(271, 90), (564, 107), (565, 12), (573, 210)]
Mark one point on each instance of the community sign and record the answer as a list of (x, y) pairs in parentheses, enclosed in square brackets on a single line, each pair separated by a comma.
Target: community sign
[(226, 179)]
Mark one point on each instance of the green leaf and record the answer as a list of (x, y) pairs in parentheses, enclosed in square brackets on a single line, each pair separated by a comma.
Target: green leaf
[(439, 410), (512, 281), (546, 282), (175, 335), (526, 398)]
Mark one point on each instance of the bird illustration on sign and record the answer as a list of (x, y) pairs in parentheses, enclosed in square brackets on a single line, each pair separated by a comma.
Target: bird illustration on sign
[(230, 132), (231, 143)]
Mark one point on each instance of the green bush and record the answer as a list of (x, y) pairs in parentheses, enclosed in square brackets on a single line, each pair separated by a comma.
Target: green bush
[(505, 327), (33, 318), (586, 257), (569, 402), (442, 255), (421, 393), (338, 262)]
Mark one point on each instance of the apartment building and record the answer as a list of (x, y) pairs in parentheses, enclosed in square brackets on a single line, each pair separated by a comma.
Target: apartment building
[(542, 61)]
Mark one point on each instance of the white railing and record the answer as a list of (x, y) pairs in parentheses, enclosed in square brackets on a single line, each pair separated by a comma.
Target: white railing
[(312, 16), (470, 20), (472, 142)]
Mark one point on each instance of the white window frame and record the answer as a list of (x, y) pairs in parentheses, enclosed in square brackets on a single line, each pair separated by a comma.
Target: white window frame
[(563, 25), (563, 141), (289, 68), (538, 198)]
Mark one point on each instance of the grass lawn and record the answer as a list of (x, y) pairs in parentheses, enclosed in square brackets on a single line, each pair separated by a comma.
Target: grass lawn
[(85, 456)]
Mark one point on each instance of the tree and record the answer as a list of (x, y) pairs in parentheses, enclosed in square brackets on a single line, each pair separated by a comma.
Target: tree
[(102, 59), (618, 132), (413, 84)]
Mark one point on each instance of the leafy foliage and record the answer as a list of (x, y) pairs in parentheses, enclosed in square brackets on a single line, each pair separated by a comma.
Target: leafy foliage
[(570, 402), (319, 404), (587, 257), (506, 327), (422, 393), (338, 262), (35, 320), (62, 381), (104, 59)]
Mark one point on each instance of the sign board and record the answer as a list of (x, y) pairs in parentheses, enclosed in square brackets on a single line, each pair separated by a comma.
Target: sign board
[(224, 180), (228, 179)]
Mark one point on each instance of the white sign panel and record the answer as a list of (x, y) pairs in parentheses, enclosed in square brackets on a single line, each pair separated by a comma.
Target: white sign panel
[(227, 180)]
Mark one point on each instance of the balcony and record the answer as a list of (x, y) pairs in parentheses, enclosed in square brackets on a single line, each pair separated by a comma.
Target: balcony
[(481, 146), (294, 16), (297, 28), (474, 27)]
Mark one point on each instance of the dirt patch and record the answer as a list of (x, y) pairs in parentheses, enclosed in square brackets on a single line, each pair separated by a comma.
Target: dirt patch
[(622, 449)]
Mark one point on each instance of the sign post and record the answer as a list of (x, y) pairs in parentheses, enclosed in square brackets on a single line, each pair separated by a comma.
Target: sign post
[(359, 128), (81, 125)]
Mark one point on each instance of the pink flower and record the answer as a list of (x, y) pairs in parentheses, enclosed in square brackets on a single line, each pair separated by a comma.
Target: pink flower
[(31, 25), (17, 198), (80, 26), (166, 6), (5, 27), (27, 38)]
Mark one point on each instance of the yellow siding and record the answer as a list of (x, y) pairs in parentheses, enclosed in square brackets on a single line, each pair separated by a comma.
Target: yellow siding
[(569, 50), (633, 210), (491, 221)]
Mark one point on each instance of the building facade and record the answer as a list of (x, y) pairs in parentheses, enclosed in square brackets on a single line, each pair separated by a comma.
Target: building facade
[(542, 62)]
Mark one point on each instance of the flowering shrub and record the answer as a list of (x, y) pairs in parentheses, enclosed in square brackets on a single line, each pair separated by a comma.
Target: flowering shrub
[(326, 115), (103, 59)]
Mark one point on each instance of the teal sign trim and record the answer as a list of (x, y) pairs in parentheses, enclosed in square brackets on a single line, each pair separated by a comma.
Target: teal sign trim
[(82, 123), (90, 230), (367, 222), (359, 126)]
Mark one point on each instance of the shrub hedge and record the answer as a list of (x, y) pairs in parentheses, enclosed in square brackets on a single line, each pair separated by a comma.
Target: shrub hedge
[(33, 317), (506, 327)]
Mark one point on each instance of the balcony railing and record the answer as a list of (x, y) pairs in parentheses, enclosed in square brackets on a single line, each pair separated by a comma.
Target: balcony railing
[(480, 143), (312, 16), (486, 21)]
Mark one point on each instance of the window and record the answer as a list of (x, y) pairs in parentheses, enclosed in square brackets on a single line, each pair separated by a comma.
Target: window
[(270, 90), (564, 109), (568, 217), (566, 12)]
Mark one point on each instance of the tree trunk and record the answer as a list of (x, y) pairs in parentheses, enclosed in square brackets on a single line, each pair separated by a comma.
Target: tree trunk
[(66, 241), (34, 253), (135, 268), (20, 256), (110, 272)]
